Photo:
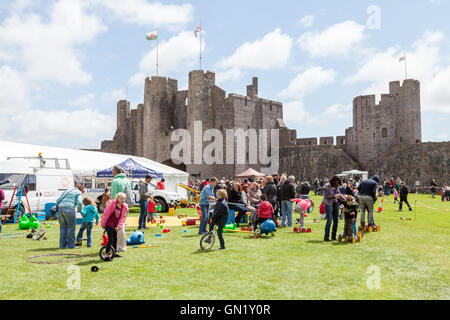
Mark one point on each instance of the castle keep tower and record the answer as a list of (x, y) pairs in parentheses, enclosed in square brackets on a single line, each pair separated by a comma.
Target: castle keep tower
[(377, 128)]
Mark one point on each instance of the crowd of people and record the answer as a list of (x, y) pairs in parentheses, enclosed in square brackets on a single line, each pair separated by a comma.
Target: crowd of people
[(274, 197)]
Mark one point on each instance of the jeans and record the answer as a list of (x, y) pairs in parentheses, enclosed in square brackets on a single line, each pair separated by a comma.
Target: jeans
[(88, 227), (332, 213), (241, 210), (286, 211), (366, 203), (67, 224), (219, 234), (205, 218), (143, 215), (0, 223)]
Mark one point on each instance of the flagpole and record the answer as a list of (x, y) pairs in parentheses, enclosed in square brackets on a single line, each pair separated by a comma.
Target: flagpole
[(406, 72), (201, 31), (157, 52)]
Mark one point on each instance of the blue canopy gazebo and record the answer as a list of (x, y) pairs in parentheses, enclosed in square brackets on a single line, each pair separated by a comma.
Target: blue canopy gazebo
[(133, 169)]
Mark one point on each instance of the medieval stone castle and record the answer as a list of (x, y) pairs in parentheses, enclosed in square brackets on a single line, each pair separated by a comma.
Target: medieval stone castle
[(385, 138)]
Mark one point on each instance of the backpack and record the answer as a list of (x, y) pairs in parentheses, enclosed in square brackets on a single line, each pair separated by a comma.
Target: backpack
[(129, 197)]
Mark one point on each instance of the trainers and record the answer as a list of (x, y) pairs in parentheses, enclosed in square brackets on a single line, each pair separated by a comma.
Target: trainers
[(221, 249)]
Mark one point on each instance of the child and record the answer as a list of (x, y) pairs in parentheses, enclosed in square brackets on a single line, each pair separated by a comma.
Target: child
[(220, 216), (151, 209), (113, 220), (265, 211), (350, 214), (323, 213), (395, 196), (89, 214)]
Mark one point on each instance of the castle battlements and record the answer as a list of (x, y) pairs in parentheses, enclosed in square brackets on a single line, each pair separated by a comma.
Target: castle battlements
[(146, 131)]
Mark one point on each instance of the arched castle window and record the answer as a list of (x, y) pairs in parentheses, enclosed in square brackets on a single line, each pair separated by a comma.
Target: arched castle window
[(245, 101), (384, 132)]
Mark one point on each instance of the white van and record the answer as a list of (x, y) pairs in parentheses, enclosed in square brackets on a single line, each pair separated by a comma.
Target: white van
[(45, 179)]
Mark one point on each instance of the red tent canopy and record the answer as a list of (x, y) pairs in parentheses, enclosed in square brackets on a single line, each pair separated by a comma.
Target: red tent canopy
[(250, 173)]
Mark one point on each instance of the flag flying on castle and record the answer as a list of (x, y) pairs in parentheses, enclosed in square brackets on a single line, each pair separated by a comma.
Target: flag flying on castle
[(152, 35), (199, 29), (402, 59)]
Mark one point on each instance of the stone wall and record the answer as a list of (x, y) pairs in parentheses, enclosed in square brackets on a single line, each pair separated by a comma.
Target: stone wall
[(415, 162), (310, 162)]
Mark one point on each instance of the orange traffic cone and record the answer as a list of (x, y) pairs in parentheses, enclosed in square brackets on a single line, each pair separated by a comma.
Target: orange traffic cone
[(380, 208)]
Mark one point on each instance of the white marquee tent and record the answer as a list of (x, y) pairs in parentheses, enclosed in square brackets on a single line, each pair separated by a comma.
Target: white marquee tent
[(87, 163)]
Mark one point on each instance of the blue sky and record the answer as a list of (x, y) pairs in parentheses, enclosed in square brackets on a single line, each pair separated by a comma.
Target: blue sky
[(64, 64)]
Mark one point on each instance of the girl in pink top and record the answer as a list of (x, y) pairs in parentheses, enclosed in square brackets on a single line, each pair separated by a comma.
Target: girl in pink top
[(113, 219)]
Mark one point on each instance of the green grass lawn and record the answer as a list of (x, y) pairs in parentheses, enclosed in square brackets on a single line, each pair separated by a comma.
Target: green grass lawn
[(413, 258)]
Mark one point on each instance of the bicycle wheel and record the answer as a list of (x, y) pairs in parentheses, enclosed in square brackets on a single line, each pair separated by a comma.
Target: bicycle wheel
[(207, 241), (102, 253)]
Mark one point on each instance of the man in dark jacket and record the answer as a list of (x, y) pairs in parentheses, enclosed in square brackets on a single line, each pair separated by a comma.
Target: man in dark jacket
[(287, 194), (220, 217), (404, 197), (270, 190), (143, 201), (367, 197)]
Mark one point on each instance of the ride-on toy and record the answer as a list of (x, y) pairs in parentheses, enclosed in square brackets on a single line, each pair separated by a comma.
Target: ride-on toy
[(102, 252), (357, 237), (302, 206), (266, 227), (370, 228), (207, 241)]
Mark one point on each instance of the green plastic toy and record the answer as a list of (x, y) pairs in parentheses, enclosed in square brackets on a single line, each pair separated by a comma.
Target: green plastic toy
[(230, 227), (26, 224)]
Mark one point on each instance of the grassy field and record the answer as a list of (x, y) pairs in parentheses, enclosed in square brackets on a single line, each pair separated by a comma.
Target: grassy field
[(413, 259)]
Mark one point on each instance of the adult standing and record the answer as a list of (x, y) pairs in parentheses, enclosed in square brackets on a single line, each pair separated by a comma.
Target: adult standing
[(2, 197), (119, 185), (330, 197), (144, 195), (287, 194), (433, 189), (367, 191), (206, 196), (246, 200), (404, 197), (68, 203), (270, 190)]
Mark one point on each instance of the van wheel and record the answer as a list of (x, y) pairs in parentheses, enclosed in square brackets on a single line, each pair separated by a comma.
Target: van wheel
[(161, 202)]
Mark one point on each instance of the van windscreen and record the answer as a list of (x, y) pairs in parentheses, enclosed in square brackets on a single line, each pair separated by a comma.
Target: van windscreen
[(15, 180)]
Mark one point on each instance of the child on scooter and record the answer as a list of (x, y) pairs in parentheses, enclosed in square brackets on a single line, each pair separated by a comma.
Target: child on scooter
[(113, 220), (350, 216), (220, 216), (151, 209)]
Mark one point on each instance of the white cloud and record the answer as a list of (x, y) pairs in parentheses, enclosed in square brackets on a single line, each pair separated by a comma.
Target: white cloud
[(13, 92), (144, 13), (424, 63), (47, 50), (83, 101), (307, 21), (298, 115), (179, 53), (307, 82), (81, 127), (270, 52), (338, 39), (231, 74)]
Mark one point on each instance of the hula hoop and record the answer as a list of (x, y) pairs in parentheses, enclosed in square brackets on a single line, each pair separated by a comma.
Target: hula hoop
[(76, 257)]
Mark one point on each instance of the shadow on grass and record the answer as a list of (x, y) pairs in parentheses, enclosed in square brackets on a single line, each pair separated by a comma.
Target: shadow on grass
[(316, 242), (200, 251), (89, 262), (56, 249)]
